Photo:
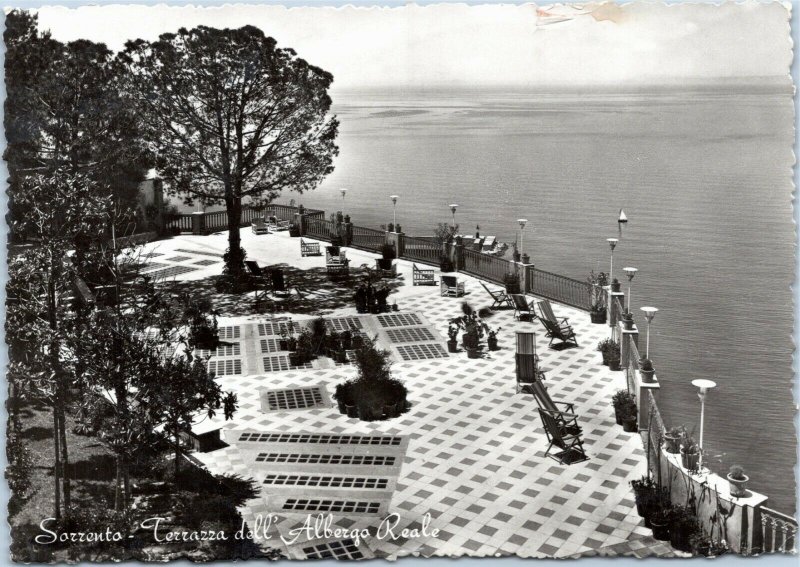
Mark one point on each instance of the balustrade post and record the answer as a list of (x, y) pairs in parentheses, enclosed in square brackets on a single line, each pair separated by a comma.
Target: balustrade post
[(301, 221), (199, 222), (525, 276), (457, 254)]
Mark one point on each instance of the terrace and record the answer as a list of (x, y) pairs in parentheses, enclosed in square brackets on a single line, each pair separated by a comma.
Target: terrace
[(472, 452)]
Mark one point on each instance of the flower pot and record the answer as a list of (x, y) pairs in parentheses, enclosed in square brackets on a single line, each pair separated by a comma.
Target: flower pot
[(660, 528), (452, 346), (648, 376), (613, 364), (629, 424), (390, 411), (672, 443), (615, 286), (473, 353), (738, 487), (618, 415), (351, 410), (627, 324), (690, 460), (598, 318), (679, 536), (342, 406), (492, 343), (605, 357)]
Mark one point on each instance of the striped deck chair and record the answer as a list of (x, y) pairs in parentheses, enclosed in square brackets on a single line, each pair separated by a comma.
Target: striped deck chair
[(527, 361), (571, 444), (522, 307), (546, 312)]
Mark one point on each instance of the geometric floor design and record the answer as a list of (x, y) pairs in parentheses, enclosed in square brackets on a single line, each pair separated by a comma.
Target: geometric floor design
[(475, 457)]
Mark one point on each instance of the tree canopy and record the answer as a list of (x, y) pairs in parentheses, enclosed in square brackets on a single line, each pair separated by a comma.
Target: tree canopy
[(231, 116)]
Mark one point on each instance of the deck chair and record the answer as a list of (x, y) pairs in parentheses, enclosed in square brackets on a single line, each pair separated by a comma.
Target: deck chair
[(499, 297), (522, 307), (309, 248), (451, 287), (546, 312), (565, 417), (336, 263), (260, 226), (570, 444), (527, 361), (563, 332), (279, 288), (423, 277)]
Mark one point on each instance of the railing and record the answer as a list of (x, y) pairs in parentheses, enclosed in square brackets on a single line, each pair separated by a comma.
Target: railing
[(320, 228), (486, 266), (778, 532), (368, 238), (422, 250), (182, 222), (217, 220), (559, 288), (281, 212)]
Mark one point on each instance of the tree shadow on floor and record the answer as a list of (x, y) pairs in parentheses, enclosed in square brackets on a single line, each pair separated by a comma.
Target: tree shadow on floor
[(311, 292)]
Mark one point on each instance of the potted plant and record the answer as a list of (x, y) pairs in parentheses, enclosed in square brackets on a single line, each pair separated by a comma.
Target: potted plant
[(452, 332), (294, 230), (690, 453), (615, 285), (604, 347), (613, 356), (645, 492), (491, 338), (683, 526), (516, 255), (738, 481), (629, 416), (343, 394), (390, 227), (597, 312), (672, 440), (445, 265), (620, 401), (389, 254), (627, 321), (646, 370), (471, 340), (659, 522), (511, 280)]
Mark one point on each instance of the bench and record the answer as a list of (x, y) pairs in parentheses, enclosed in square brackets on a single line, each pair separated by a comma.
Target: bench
[(309, 248), (423, 277)]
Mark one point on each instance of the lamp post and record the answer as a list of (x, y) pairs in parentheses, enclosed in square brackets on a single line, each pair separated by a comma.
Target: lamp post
[(704, 386), (522, 223), (343, 192), (630, 272), (453, 208), (394, 208), (612, 242), (649, 313)]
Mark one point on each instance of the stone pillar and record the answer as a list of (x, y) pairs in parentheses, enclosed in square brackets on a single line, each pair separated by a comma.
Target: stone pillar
[(642, 399), (396, 240), (301, 222), (346, 233), (613, 312), (457, 254), (625, 339), (198, 222), (526, 275)]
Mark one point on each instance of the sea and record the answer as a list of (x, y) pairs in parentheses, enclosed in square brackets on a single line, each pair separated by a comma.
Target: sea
[(704, 174)]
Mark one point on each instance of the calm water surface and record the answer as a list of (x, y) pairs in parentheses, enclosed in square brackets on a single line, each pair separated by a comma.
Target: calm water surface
[(705, 178)]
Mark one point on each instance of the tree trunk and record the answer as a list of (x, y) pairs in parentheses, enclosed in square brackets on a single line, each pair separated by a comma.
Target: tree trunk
[(56, 468), (118, 485), (235, 260), (177, 455), (64, 456)]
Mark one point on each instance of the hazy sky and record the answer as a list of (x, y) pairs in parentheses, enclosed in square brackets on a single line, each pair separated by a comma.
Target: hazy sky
[(483, 45)]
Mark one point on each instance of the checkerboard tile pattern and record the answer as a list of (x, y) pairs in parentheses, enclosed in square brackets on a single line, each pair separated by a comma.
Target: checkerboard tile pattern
[(475, 460)]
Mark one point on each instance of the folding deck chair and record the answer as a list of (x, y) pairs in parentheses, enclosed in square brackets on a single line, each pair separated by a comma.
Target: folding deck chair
[(570, 444), (499, 297), (564, 333), (522, 307)]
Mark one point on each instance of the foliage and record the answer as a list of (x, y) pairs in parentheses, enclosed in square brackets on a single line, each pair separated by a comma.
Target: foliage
[(646, 364), (736, 472), (511, 278), (388, 252), (689, 445), (606, 345), (444, 233), (232, 116), (20, 465), (472, 325)]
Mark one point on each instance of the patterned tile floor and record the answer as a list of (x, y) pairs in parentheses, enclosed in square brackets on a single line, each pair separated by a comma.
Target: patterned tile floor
[(476, 460)]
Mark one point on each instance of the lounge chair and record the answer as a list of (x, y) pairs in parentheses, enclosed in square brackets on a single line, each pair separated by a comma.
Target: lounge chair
[(451, 287), (279, 288), (544, 401), (546, 312), (423, 277), (527, 361), (522, 307), (309, 248), (571, 444), (336, 261), (499, 297), (275, 225), (260, 226), (563, 332)]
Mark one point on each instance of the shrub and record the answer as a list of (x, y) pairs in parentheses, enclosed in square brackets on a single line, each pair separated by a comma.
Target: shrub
[(646, 364), (20, 465), (736, 472)]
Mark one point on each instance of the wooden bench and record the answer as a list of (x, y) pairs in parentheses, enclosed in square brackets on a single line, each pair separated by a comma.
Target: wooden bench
[(309, 248), (423, 277)]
